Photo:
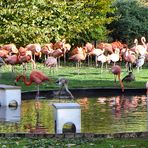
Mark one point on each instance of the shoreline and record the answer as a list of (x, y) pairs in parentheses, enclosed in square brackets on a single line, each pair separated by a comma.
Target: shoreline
[(86, 92)]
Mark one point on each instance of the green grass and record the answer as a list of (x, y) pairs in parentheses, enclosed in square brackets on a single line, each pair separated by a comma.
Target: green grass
[(88, 77), (78, 143)]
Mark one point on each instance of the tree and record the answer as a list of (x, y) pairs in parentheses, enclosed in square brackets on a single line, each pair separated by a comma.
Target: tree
[(43, 21), (131, 22)]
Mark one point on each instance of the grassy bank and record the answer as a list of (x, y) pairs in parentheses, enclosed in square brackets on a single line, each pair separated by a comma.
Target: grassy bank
[(88, 77), (79, 143)]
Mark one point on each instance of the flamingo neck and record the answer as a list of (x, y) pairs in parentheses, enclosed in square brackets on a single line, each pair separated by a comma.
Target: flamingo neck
[(66, 88), (121, 84), (24, 79), (143, 40)]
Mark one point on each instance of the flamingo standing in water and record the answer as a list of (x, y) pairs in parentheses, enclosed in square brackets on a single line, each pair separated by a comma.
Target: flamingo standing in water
[(37, 77), (116, 70)]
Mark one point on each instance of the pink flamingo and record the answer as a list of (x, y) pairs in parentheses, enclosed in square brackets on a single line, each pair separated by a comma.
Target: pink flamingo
[(35, 48), (11, 48), (79, 57), (116, 70), (37, 77)]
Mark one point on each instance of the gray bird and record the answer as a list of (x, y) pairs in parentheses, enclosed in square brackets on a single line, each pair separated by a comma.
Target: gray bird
[(129, 78), (63, 83)]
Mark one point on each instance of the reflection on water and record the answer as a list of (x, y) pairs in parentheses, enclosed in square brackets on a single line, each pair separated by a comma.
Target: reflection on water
[(98, 115)]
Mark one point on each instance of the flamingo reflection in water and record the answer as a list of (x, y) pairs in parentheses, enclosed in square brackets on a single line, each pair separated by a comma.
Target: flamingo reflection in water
[(84, 103), (127, 104), (123, 104)]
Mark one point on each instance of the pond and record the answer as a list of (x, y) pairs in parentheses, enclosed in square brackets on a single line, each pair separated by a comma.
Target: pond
[(109, 114)]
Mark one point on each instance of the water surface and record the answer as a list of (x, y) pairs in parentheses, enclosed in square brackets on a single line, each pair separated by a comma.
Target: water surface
[(98, 115)]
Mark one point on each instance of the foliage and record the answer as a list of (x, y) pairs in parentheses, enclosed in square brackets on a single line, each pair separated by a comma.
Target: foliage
[(42, 21), (131, 22)]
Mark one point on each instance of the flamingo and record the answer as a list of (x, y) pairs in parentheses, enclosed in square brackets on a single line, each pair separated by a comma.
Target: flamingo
[(4, 53), (35, 76), (106, 46), (12, 60), (63, 83), (114, 57), (25, 56), (97, 52), (35, 48), (116, 70), (117, 44), (11, 48), (89, 47), (59, 46), (51, 62), (140, 49), (58, 53), (103, 59), (130, 59), (47, 49), (79, 57), (66, 48)]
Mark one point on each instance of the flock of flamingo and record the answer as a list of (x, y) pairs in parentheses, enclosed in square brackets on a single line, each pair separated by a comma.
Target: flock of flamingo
[(51, 53)]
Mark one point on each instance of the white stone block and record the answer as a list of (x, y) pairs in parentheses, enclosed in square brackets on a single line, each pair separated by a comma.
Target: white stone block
[(67, 113), (9, 93)]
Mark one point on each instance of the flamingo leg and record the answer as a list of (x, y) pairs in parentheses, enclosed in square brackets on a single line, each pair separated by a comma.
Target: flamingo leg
[(102, 67), (77, 66), (38, 93), (88, 60), (64, 57), (115, 77), (106, 66), (59, 62), (121, 84)]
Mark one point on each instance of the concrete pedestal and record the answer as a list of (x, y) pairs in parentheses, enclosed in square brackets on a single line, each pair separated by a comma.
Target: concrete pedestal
[(67, 113), (8, 94), (10, 114)]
